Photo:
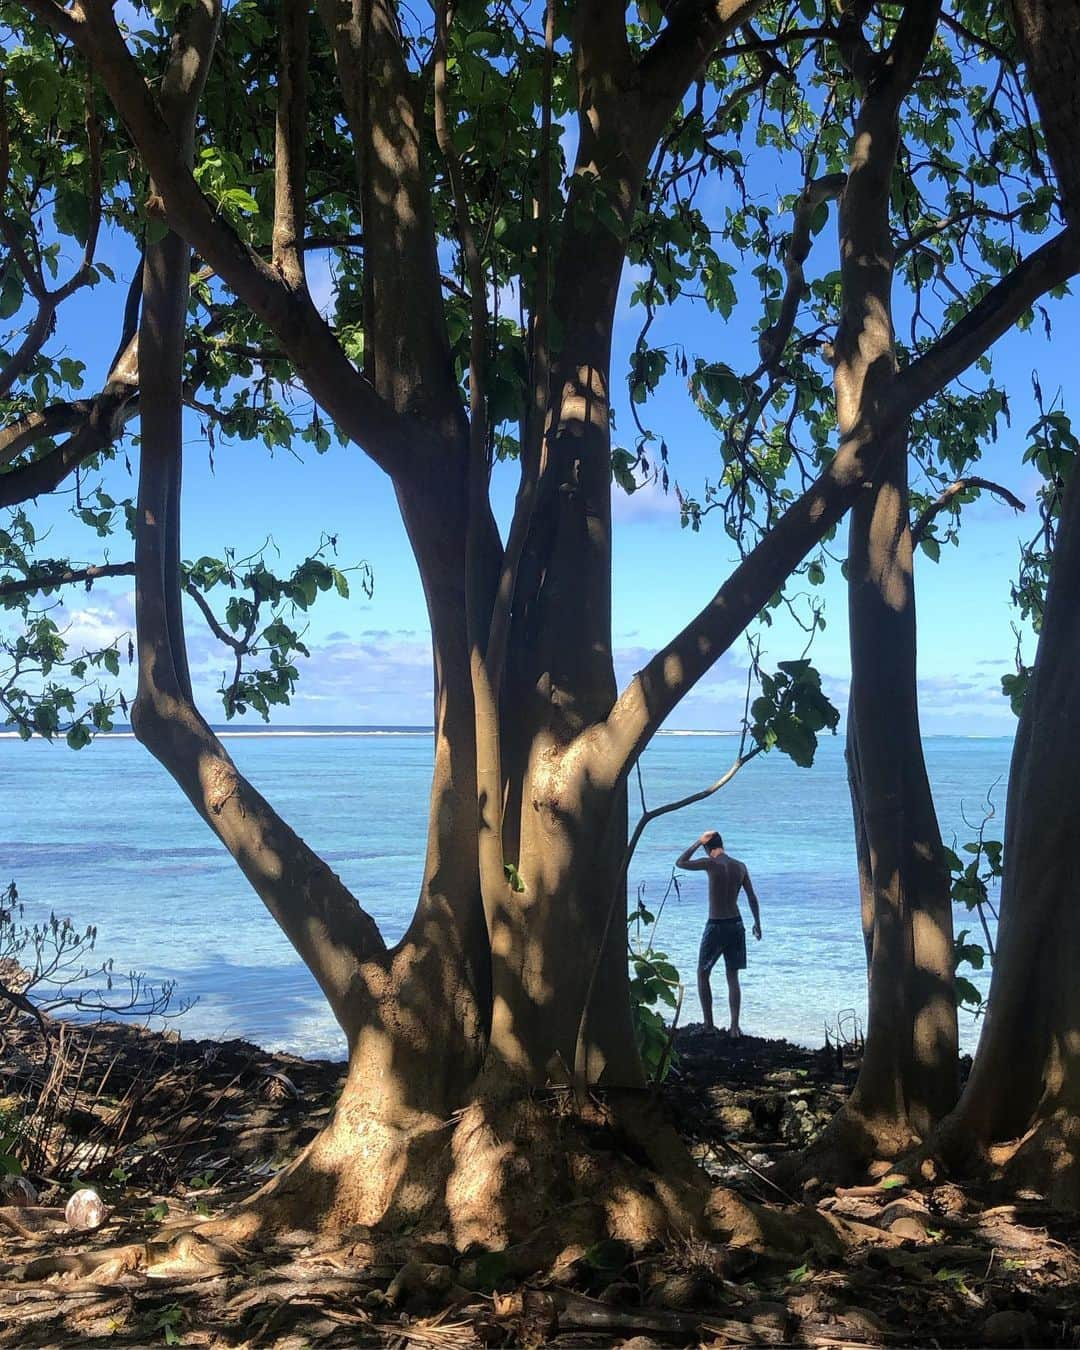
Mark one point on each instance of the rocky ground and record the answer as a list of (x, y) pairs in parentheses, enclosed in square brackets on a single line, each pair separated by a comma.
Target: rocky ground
[(170, 1130)]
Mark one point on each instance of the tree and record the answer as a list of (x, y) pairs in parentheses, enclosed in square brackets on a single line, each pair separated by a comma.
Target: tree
[(509, 979), (1018, 1111), (908, 1075)]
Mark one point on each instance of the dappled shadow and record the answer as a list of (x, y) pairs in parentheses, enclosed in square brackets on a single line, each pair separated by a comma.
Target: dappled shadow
[(870, 1266)]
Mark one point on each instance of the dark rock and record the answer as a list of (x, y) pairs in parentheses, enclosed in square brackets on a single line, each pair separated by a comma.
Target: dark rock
[(773, 1315), (1009, 1328), (18, 1191)]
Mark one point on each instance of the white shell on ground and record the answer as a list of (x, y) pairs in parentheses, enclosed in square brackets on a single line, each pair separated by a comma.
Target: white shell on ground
[(85, 1210)]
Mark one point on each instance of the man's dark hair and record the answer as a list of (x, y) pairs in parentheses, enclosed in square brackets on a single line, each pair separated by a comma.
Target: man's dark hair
[(715, 840)]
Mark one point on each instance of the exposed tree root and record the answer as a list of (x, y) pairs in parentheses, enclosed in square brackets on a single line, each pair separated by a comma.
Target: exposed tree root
[(1044, 1160), (531, 1175), (854, 1148), (512, 1186)]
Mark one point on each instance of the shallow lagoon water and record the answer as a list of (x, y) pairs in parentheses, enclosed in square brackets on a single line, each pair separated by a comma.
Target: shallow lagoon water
[(106, 837)]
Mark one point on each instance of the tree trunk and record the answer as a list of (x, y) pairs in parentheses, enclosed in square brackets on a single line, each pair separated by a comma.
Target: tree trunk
[(1020, 1110), (1050, 40), (909, 1072)]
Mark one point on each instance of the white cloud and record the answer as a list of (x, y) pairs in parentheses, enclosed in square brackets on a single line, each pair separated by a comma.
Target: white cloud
[(98, 620), (650, 503)]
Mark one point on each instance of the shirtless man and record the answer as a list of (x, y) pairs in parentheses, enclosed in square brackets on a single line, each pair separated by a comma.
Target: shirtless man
[(724, 933)]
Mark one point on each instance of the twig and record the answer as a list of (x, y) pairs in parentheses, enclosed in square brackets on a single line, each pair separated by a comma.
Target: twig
[(969, 484)]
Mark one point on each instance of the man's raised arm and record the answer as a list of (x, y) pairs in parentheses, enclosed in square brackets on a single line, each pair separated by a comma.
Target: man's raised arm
[(693, 864), (753, 901)]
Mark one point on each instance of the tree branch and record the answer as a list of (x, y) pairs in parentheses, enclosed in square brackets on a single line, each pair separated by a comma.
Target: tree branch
[(489, 785), (406, 345), (316, 353), (977, 212), (858, 56), (1049, 266), (654, 691), (968, 484), (56, 420), (774, 339), (1047, 33), (105, 419), (754, 44), (64, 576), (319, 916), (290, 144), (692, 32), (474, 268), (534, 429), (907, 52)]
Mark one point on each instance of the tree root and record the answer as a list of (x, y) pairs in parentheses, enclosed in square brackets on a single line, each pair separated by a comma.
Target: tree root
[(854, 1149), (1045, 1159), (512, 1186)]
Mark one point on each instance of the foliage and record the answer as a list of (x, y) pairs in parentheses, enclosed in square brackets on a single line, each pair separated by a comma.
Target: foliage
[(249, 631), (973, 878), (791, 710), (749, 127), (655, 984), (49, 966), (973, 955), (769, 120), (1052, 449), (169, 1321)]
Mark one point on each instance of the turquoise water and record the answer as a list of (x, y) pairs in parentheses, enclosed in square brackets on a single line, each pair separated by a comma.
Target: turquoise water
[(106, 837)]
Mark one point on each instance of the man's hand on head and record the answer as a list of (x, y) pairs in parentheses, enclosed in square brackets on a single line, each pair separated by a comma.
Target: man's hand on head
[(706, 836), (757, 931)]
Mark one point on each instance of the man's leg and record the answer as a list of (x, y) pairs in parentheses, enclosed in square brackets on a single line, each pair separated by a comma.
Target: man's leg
[(734, 1000), (705, 994)]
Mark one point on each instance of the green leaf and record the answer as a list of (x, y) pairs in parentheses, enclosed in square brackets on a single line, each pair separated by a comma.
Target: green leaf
[(514, 877), (238, 199), (11, 294), (78, 736), (966, 993)]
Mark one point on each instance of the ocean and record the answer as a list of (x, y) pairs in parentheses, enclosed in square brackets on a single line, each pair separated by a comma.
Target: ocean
[(104, 836)]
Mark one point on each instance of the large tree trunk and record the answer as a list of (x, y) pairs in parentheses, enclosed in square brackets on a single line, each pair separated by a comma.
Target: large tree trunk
[(1020, 1110), (908, 1078)]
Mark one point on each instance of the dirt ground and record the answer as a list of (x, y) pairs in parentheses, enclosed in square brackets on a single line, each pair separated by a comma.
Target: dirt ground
[(169, 1130)]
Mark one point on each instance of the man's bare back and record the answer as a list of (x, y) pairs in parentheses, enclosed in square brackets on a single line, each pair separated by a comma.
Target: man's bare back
[(726, 876)]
